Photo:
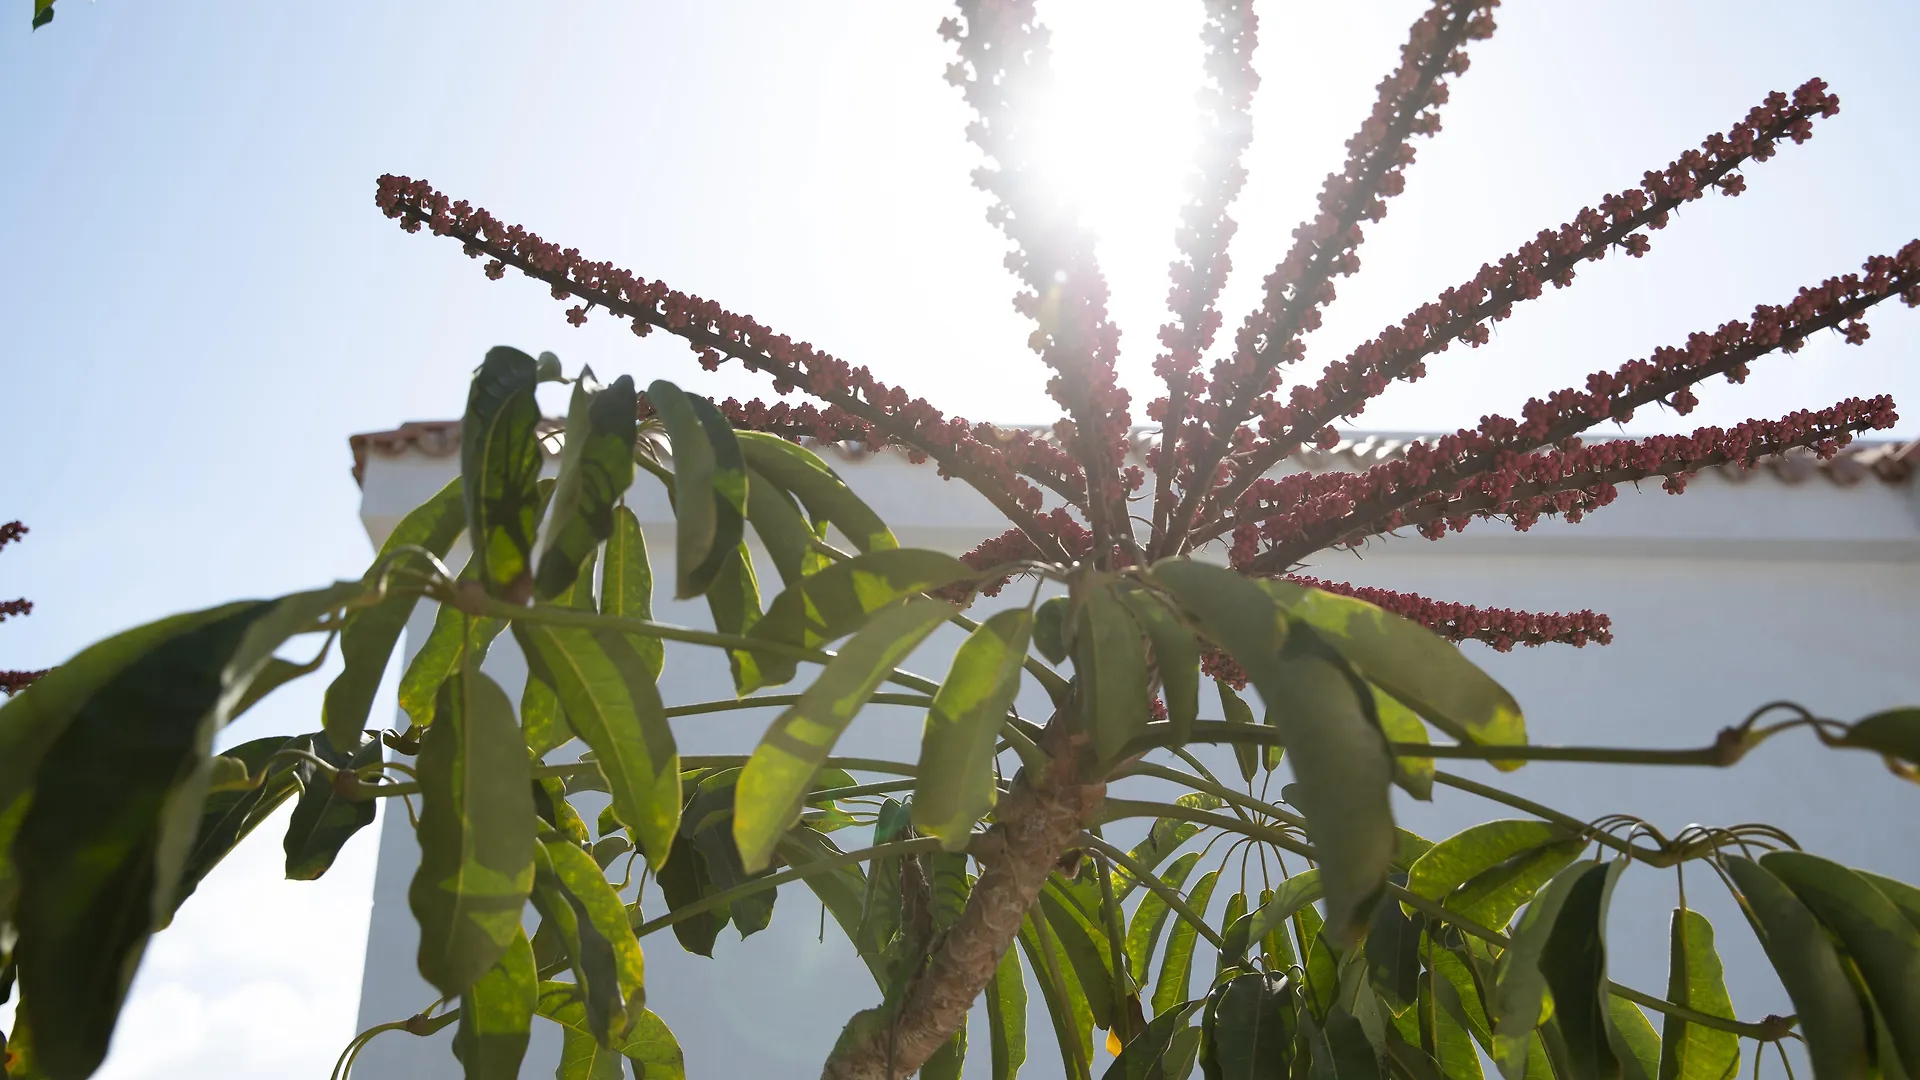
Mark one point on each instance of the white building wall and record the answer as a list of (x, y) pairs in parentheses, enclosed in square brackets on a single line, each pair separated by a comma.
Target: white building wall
[(1728, 597)]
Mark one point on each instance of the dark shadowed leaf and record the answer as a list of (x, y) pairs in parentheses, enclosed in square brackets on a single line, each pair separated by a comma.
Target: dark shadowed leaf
[(626, 587), (1811, 969), (1694, 979), (225, 819), (1151, 915), (1176, 655), (596, 468), (1060, 991), (1145, 1054), (369, 634), (827, 498), (1872, 930), (733, 598), (1084, 943), (1293, 894), (1412, 663), (496, 1016), (1250, 1028), (706, 459), (1574, 962), (774, 783), (476, 834), (1006, 999), (1237, 711), (1176, 971), (616, 711), (500, 471), (685, 880), (1895, 733), (1050, 628), (1392, 954), (322, 822), (955, 787), (1520, 986), (1110, 659)]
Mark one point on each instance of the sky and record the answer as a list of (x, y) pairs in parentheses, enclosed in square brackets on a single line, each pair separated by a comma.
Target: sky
[(200, 303)]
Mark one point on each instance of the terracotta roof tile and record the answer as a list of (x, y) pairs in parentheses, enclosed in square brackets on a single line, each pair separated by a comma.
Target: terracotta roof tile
[(1889, 461)]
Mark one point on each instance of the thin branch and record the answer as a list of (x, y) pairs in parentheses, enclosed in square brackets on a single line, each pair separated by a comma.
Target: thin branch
[(793, 873), (1147, 878)]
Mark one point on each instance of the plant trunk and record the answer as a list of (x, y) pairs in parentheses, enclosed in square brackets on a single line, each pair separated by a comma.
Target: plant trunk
[(1035, 827)]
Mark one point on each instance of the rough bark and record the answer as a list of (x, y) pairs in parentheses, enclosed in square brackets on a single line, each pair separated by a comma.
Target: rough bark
[(1035, 827)]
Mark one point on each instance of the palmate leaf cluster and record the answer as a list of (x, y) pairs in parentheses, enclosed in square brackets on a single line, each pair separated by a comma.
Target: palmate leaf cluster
[(1382, 954)]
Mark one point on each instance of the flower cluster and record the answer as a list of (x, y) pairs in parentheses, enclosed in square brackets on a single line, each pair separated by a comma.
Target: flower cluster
[(12, 682), (1198, 275), (1465, 312), (1224, 431), (1003, 62), (1501, 628)]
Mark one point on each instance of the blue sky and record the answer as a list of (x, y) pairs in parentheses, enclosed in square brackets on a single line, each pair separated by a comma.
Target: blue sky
[(200, 302)]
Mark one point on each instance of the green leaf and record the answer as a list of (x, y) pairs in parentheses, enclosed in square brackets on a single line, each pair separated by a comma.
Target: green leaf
[(685, 880), (555, 812), (454, 634), (706, 459), (1574, 962), (1904, 896), (500, 470), (649, 1044), (1811, 969), (1492, 896), (1520, 984), (1163, 837), (1459, 1021), (1872, 930), (626, 587), (1894, 733), (1176, 970), (840, 599), (1694, 979), (1050, 628), (1145, 1056), (946, 1062), (955, 787), (1463, 856), (1110, 658), (368, 635), (777, 520), (123, 781), (226, 817), (1085, 946), (1638, 1045), (1392, 954), (774, 783), (1235, 709), (1176, 655), (1250, 1028), (1342, 774), (1007, 1017), (1060, 991), (1294, 893), (616, 710), (827, 498), (1412, 663), (1235, 612), (476, 834), (322, 822), (596, 469), (733, 598), (843, 890), (1400, 725), (1150, 917), (607, 962), (496, 1016)]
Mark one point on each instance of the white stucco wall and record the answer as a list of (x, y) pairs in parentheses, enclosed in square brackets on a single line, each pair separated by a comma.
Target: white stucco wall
[(1730, 596)]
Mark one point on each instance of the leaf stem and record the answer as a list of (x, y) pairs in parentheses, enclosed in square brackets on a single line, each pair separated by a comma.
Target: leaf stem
[(792, 873), (767, 701), (1118, 809), (1724, 752), (1211, 787)]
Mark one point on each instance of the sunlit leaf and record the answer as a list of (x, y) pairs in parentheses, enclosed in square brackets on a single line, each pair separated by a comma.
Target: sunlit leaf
[(596, 469), (616, 710), (774, 783), (946, 1062), (476, 834), (368, 635), (955, 787), (1176, 970), (1873, 932), (649, 1044), (1459, 858), (1084, 943), (500, 471), (1151, 915), (827, 498), (496, 1016), (838, 600), (1637, 1045), (607, 963), (1694, 979), (1293, 894), (1163, 837), (1060, 991), (454, 634), (1399, 724), (1006, 999), (626, 587)]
